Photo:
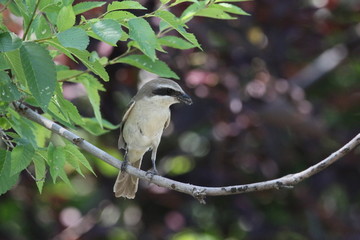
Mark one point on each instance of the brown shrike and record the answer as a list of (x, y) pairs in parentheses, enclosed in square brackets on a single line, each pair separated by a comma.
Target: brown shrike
[(143, 123)]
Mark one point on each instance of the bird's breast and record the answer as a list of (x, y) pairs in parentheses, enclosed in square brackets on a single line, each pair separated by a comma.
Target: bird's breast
[(145, 125)]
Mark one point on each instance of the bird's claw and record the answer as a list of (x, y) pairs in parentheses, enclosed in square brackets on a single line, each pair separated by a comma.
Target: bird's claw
[(124, 165), (152, 172)]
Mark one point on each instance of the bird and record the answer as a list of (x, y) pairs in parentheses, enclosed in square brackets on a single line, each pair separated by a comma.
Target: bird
[(142, 126)]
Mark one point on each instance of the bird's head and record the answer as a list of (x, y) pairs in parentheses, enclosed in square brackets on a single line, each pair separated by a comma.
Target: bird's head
[(166, 91)]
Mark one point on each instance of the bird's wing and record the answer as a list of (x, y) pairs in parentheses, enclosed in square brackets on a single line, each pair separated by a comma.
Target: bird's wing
[(167, 122), (121, 142)]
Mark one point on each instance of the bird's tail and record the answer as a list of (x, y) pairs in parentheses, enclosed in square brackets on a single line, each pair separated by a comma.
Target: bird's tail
[(126, 185)]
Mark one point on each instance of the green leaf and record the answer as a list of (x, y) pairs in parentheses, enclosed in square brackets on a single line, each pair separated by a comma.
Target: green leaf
[(63, 110), (213, 13), (93, 87), (56, 158), (67, 2), (108, 30), (40, 168), (74, 37), (141, 32), (175, 42), (55, 43), (92, 126), (14, 60), (158, 67), (7, 180), (65, 18), (42, 28), (75, 154), (21, 157), (67, 108), (69, 156), (121, 16), (64, 177), (8, 90), (24, 10), (124, 5), (40, 72), (232, 1), (5, 125), (22, 126), (180, 1), (164, 1), (3, 63), (86, 6), (50, 5), (42, 135), (9, 42), (191, 10), (55, 110), (95, 66), (67, 74), (174, 22), (230, 8)]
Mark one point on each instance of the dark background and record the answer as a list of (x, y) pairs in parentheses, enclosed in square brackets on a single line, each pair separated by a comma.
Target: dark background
[(258, 114)]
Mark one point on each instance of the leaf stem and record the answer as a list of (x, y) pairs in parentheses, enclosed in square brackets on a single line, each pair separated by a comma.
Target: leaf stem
[(31, 20)]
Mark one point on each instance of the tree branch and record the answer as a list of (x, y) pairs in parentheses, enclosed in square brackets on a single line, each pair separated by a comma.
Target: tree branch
[(199, 192)]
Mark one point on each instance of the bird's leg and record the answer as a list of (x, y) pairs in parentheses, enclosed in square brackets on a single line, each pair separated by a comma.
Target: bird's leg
[(125, 163), (153, 171)]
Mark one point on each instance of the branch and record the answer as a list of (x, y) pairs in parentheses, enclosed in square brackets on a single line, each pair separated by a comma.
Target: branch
[(199, 192)]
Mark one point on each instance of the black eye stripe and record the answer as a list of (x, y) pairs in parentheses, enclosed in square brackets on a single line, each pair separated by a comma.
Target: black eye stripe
[(164, 91)]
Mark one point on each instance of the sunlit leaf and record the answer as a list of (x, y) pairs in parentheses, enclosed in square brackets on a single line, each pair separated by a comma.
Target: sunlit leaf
[(55, 43), (95, 66), (141, 32), (230, 8), (108, 30), (175, 22), (141, 61), (121, 16), (21, 157), (65, 18), (74, 37), (92, 126), (213, 13), (13, 59), (40, 72), (232, 1), (22, 126), (175, 42), (42, 28), (40, 168), (74, 153), (56, 158), (191, 10), (124, 5), (86, 6), (93, 87)]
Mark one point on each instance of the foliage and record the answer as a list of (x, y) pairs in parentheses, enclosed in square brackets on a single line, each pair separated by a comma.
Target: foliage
[(28, 72)]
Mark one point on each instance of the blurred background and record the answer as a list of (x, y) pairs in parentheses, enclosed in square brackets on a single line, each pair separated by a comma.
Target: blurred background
[(274, 93)]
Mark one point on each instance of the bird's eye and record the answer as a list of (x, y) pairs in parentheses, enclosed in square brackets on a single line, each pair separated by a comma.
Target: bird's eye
[(164, 91)]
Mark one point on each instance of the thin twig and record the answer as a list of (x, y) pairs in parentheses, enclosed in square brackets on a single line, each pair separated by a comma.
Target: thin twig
[(199, 192), (6, 139), (31, 20)]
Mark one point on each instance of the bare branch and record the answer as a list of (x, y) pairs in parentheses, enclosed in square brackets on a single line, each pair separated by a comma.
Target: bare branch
[(199, 192)]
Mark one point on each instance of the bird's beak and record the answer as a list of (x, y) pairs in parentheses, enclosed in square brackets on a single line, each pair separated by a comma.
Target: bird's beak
[(183, 97)]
